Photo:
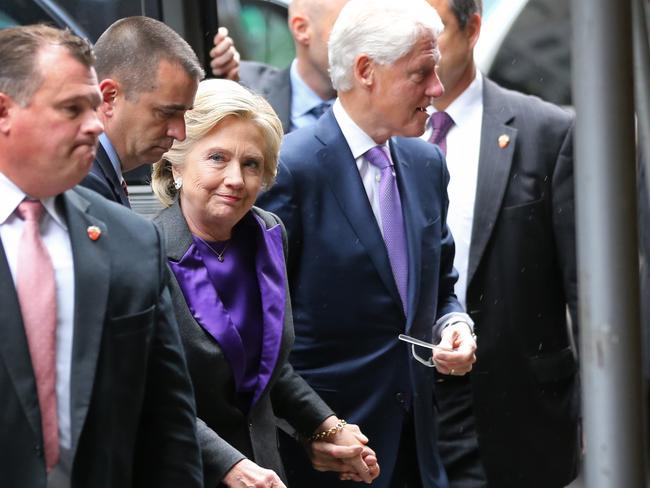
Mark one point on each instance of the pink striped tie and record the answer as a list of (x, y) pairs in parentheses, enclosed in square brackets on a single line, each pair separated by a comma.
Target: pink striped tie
[(37, 297)]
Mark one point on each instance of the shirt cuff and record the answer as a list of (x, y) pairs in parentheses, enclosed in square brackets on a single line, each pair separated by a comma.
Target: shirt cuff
[(451, 319)]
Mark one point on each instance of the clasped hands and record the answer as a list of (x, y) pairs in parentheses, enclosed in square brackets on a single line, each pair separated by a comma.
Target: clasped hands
[(456, 352), (345, 452)]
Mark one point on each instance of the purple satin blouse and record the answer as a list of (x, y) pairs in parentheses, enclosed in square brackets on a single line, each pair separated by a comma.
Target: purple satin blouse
[(240, 301)]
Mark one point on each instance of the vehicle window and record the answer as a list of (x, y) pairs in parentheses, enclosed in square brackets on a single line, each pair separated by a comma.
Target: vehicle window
[(259, 28), (96, 15), (21, 13), (6, 21)]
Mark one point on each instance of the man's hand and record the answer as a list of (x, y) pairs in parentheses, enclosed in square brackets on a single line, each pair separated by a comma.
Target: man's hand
[(224, 56), (247, 474), (344, 452), (456, 352)]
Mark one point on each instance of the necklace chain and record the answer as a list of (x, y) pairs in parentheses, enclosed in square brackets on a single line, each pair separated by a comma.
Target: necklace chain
[(220, 254)]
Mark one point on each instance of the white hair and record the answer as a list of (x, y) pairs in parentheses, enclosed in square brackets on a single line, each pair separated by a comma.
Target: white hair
[(385, 30)]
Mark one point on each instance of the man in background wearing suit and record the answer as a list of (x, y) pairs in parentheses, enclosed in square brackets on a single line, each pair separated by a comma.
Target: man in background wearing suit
[(148, 78), (94, 386), (301, 93), (370, 254), (512, 216)]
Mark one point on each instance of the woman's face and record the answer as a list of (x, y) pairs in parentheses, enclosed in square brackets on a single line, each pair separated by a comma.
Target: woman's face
[(222, 176)]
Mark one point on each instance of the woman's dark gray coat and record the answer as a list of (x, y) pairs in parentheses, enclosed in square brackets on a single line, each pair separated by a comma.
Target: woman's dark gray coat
[(225, 433)]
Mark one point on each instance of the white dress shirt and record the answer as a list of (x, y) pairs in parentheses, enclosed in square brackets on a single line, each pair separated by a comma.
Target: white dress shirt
[(360, 143), (56, 238), (463, 149)]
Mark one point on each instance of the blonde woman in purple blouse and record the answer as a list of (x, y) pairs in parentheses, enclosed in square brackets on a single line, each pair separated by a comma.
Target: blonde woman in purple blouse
[(229, 289)]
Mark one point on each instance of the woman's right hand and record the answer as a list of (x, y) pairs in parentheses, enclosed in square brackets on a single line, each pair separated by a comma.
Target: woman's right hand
[(247, 474)]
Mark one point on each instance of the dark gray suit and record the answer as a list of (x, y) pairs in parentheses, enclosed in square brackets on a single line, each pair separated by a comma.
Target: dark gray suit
[(132, 409), (225, 433), (521, 278), (273, 84)]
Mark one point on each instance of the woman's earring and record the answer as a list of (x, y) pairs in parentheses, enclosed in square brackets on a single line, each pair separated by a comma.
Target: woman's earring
[(178, 183)]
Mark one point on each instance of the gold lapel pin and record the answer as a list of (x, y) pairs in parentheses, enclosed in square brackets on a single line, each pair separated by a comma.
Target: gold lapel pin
[(503, 141), (94, 232)]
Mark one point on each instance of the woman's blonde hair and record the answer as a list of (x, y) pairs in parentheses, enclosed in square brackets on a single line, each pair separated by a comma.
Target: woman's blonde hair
[(215, 100)]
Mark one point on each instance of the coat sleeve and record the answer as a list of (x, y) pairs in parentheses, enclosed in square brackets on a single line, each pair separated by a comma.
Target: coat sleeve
[(168, 450)]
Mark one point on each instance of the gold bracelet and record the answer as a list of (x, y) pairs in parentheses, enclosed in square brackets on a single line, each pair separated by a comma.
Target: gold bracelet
[(319, 436)]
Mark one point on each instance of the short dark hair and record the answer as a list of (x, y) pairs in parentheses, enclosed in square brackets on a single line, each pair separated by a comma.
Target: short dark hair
[(464, 9), (20, 73), (131, 49)]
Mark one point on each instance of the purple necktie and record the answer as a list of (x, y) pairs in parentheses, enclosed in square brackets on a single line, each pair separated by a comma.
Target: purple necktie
[(441, 122), (392, 220)]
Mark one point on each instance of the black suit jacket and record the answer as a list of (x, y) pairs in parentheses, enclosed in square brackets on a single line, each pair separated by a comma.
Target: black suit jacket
[(273, 84), (521, 278), (132, 408), (227, 435), (103, 179)]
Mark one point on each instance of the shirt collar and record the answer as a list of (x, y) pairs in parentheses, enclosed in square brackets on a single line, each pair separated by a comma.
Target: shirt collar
[(459, 109), (112, 155), (303, 98), (12, 196), (357, 139)]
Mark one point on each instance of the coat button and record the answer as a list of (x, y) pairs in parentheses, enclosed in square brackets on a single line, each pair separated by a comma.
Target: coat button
[(39, 450), (399, 396)]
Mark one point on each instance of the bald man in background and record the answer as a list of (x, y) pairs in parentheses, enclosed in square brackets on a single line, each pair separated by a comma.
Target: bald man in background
[(302, 92)]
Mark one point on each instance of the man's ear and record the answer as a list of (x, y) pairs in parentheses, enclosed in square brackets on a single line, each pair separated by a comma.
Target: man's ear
[(300, 28), (7, 107), (110, 89), (364, 70), (473, 28)]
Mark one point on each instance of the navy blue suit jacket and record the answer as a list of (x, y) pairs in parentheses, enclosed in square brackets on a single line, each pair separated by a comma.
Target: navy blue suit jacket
[(346, 307), (103, 179)]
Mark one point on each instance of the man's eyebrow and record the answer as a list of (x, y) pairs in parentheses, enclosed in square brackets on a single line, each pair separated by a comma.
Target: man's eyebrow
[(174, 107), (94, 98)]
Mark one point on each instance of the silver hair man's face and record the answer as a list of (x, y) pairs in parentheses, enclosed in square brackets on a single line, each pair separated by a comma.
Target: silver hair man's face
[(402, 91)]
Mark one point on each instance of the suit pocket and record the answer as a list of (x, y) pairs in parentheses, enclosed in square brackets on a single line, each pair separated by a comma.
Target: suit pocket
[(132, 323), (523, 206), (554, 366), (127, 356)]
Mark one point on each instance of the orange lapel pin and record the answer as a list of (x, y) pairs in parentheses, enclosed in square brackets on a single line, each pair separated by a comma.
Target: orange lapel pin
[(94, 232), (503, 141)]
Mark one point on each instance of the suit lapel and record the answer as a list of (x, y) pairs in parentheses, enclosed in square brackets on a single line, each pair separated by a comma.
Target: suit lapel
[(493, 172), (176, 233), (92, 278), (338, 168), (14, 351), (106, 167), (413, 229)]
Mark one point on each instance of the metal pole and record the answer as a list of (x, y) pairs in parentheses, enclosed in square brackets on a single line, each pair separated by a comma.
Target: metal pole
[(608, 278)]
